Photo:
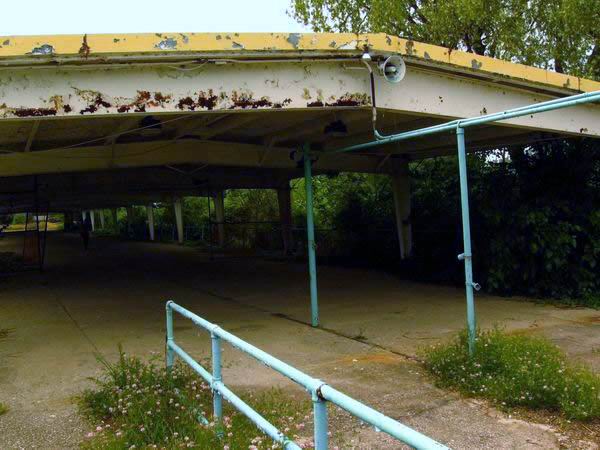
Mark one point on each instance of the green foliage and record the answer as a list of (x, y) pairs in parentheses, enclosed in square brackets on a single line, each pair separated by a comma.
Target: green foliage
[(562, 35), (534, 219), (138, 404), (516, 370)]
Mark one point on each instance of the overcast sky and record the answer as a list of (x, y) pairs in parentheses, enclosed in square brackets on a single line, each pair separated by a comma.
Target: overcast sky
[(30, 17)]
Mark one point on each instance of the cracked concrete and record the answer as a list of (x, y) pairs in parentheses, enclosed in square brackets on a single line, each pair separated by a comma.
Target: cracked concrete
[(90, 302)]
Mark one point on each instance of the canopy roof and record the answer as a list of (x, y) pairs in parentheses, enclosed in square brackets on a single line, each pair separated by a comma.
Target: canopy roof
[(107, 119)]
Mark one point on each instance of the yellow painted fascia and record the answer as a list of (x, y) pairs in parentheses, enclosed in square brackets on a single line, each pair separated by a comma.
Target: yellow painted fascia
[(102, 47)]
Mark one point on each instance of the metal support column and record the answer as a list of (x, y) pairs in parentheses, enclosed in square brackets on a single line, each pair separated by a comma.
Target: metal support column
[(321, 437), (310, 232), (220, 216), (467, 255), (150, 212), (217, 377), (170, 353)]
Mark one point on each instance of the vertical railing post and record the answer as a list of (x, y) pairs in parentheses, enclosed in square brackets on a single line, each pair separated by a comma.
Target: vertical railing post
[(216, 373), (310, 234), (321, 435), (467, 256), (169, 339)]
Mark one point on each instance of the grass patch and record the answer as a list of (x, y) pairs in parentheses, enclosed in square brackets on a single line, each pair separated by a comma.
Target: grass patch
[(139, 405), (3, 408), (516, 370)]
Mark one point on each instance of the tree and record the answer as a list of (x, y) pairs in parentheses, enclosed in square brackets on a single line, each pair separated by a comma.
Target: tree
[(559, 34)]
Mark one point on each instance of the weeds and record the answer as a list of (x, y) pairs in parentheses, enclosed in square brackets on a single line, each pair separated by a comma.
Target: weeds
[(516, 370), (139, 405)]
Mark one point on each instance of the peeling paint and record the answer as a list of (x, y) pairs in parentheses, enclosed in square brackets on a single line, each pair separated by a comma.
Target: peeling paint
[(6, 42), (84, 50), (294, 39), (388, 39), (95, 105), (333, 44), (426, 56), (45, 49), (410, 48), (237, 45), (348, 99), (246, 101), (476, 64), (167, 44), (352, 45)]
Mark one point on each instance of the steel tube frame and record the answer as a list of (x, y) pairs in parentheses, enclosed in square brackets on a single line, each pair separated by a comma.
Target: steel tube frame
[(321, 393), (459, 127), (310, 234)]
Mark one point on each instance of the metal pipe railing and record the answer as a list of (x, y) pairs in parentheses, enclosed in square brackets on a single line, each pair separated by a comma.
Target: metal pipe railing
[(549, 105), (458, 126), (321, 393)]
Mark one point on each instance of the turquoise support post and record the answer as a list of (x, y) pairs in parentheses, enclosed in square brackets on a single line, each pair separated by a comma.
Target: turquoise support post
[(170, 353), (216, 374), (467, 255), (310, 232), (320, 416)]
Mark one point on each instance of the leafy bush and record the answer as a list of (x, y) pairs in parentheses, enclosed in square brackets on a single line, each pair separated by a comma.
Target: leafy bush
[(138, 405), (516, 370)]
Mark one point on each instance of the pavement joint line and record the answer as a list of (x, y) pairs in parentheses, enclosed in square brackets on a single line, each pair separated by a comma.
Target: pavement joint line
[(81, 330), (406, 356)]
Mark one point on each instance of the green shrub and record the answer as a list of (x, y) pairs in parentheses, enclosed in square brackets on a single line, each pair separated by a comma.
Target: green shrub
[(139, 404), (516, 370)]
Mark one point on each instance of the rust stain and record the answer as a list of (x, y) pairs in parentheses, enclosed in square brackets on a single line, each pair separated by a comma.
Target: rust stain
[(282, 104), (84, 50), (246, 101), (34, 112), (347, 99), (206, 100), (95, 105)]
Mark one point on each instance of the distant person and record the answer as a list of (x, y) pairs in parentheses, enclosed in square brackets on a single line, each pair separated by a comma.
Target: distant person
[(85, 229)]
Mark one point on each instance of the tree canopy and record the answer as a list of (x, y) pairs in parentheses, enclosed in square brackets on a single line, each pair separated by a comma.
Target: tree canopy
[(562, 35)]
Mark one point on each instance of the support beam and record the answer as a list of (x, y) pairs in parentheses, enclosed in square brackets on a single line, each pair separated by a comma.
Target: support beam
[(129, 220), (220, 216), (115, 217), (467, 255), (284, 199), (310, 234), (150, 210), (401, 191), (178, 218), (161, 153)]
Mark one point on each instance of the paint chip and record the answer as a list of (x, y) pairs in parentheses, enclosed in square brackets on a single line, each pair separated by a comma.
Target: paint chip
[(45, 49), (294, 39), (167, 44)]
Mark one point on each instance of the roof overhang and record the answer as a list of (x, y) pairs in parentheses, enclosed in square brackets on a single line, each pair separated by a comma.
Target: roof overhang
[(83, 105)]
